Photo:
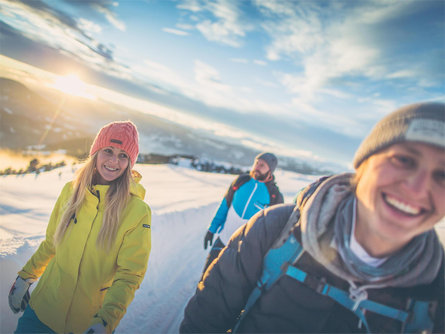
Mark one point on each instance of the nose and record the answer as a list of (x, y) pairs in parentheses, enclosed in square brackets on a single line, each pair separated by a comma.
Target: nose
[(418, 183), (114, 158)]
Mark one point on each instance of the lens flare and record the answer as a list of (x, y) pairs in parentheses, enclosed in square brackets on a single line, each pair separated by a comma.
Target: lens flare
[(72, 85)]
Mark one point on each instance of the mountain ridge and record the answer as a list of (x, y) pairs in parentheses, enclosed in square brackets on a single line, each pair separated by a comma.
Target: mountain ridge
[(51, 120)]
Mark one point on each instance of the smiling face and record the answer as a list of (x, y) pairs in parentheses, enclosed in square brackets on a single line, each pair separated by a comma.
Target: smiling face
[(260, 170), (401, 194), (110, 164)]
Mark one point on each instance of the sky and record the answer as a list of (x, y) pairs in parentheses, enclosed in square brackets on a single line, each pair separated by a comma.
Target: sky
[(307, 77)]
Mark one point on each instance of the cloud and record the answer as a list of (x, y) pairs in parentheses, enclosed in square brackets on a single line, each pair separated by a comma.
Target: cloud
[(194, 6), (175, 31), (38, 22), (218, 21), (89, 27), (161, 75), (336, 52), (354, 47), (38, 7), (259, 62), (207, 75), (104, 7), (340, 39), (239, 60)]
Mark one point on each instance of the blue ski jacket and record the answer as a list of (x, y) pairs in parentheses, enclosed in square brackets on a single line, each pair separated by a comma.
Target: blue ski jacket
[(244, 198)]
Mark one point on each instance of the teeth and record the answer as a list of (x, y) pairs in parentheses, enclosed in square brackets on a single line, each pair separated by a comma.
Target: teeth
[(111, 169), (402, 206)]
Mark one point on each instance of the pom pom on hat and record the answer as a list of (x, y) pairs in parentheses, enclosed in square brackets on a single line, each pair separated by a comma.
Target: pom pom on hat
[(420, 122), (122, 135)]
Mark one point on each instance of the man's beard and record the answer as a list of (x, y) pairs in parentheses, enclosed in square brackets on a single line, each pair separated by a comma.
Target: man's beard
[(258, 175)]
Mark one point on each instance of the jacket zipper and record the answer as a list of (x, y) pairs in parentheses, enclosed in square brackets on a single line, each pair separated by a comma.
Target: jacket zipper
[(81, 260), (248, 201)]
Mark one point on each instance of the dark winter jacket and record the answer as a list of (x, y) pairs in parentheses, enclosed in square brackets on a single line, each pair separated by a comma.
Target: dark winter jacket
[(289, 306), (244, 198)]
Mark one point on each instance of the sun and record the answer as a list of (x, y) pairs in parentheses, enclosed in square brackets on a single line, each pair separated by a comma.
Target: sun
[(72, 85)]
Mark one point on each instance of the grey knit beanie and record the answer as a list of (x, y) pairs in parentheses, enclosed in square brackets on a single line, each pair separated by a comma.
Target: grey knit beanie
[(270, 159), (420, 122)]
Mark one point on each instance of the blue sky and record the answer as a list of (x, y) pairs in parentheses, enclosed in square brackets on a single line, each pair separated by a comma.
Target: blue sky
[(307, 78)]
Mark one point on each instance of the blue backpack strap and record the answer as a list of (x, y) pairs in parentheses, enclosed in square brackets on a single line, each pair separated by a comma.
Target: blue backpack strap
[(275, 264), (414, 320), (284, 251), (420, 317)]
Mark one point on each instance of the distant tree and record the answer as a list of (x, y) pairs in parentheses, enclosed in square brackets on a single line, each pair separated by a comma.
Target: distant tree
[(33, 165)]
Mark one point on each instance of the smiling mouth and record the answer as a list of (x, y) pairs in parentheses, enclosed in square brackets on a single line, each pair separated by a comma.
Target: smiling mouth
[(110, 168), (402, 207)]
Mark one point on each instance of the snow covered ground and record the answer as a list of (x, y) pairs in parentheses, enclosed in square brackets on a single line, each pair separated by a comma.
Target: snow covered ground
[(183, 202)]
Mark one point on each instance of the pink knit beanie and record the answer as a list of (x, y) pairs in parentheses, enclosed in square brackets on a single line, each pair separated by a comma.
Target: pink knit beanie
[(122, 135)]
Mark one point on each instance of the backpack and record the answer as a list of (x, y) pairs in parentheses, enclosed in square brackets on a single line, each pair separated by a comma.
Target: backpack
[(281, 260)]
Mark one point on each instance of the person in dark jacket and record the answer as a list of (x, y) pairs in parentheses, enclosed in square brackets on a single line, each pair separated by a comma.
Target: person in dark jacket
[(366, 241), (248, 194)]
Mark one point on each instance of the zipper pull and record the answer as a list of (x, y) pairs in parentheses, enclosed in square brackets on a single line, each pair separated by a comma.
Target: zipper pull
[(98, 196)]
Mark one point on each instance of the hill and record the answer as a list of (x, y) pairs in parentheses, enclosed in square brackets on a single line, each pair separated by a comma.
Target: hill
[(51, 120), (27, 119)]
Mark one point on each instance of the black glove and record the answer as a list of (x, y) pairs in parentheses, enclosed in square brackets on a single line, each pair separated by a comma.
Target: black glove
[(208, 239)]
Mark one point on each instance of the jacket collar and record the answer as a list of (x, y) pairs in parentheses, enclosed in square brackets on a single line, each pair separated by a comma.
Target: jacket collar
[(96, 195)]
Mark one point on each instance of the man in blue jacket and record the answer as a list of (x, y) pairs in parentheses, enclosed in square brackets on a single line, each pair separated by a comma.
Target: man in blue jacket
[(248, 194)]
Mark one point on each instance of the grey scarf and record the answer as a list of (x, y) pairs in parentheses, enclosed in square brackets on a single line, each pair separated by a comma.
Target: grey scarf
[(327, 218)]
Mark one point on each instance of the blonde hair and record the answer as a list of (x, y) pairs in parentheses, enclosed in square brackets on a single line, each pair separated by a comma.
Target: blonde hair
[(117, 198)]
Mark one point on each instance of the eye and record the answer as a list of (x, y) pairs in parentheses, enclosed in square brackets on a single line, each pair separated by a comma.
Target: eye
[(403, 161), (123, 156), (108, 150), (439, 177)]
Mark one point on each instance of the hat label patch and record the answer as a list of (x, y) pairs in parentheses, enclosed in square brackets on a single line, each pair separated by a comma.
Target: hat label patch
[(427, 131), (116, 141)]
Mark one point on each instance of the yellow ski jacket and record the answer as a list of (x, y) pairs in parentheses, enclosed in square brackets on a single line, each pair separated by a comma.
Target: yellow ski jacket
[(82, 284)]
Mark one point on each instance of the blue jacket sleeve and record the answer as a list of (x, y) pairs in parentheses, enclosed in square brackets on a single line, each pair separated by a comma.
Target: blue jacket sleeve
[(218, 221)]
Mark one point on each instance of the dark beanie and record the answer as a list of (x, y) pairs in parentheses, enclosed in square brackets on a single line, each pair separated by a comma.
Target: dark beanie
[(420, 122), (270, 159)]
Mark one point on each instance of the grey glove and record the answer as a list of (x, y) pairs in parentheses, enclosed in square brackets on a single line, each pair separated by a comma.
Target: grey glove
[(18, 297), (96, 329), (208, 239)]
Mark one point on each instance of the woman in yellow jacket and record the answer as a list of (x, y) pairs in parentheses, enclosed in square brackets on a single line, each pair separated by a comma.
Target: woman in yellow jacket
[(97, 245)]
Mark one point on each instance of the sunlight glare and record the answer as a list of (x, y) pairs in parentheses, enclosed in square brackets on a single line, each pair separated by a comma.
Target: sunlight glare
[(72, 85)]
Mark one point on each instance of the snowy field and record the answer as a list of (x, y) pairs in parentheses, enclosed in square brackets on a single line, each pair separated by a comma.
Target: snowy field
[(183, 202)]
